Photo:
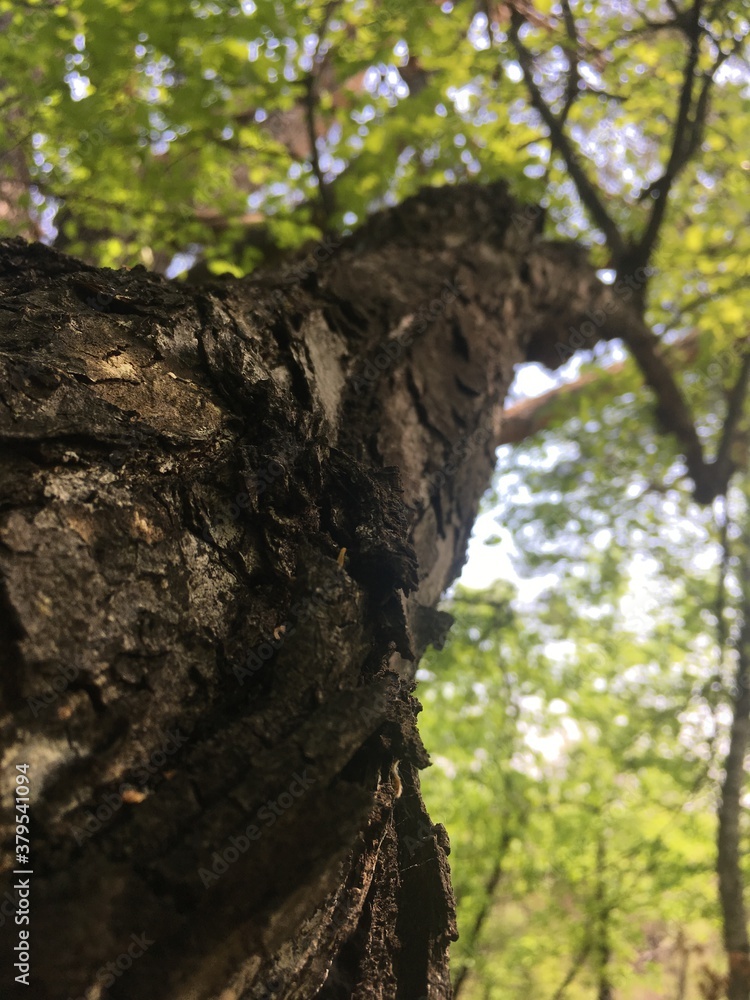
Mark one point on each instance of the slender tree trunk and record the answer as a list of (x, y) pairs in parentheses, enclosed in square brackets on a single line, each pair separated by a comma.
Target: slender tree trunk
[(226, 517), (575, 967), (683, 958), (488, 901), (728, 862), (603, 948)]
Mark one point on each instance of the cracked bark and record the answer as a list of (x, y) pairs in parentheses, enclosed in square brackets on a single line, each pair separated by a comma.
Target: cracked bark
[(181, 471)]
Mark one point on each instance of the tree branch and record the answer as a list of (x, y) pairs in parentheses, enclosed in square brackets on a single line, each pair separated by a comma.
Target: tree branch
[(574, 76), (574, 310), (723, 463), (559, 140), (686, 134), (575, 968), (484, 910), (310, 101), (529, 416)]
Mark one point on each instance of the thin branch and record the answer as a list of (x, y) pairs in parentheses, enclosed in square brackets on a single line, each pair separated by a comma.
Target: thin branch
[(679, 312), (575, 967), (484, 911), (15, 146), (323, 190), (721, 586), (723, 463), (682, 141), (310, 103), (586, 190), (574, 75)]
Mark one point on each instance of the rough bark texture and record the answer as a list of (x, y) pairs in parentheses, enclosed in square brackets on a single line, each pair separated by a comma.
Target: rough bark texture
[(227, 515)]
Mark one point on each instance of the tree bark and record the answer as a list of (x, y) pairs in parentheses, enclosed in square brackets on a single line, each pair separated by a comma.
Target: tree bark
[(227, 514), (729, 856)]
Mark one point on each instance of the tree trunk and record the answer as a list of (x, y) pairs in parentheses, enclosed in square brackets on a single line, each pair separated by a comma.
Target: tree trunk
[(729, 861), (227, 516), (603, 947)]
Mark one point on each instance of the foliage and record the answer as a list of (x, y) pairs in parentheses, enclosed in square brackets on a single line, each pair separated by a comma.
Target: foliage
[(574, 744), (163, 126), (591, 718)]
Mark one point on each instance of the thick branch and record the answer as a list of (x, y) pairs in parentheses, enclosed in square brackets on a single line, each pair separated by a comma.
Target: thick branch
[(575, 310), (724, 465), (524, 419), (673, 412)]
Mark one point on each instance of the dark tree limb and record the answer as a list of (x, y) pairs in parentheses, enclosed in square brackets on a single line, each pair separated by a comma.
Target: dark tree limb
[(729, 854), (324, 192), (688, 130), (574, 75), (587, 191), (523, 419), (488, 901), (735, 409), (310, 103)]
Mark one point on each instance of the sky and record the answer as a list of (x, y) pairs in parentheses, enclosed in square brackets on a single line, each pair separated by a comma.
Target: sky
[(484, 563)]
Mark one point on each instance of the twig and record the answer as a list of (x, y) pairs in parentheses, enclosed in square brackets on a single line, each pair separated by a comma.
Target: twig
[(679, 312), (573, 971)]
